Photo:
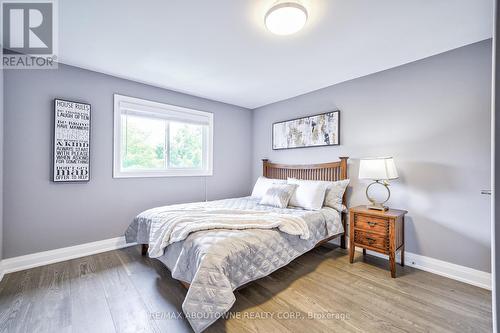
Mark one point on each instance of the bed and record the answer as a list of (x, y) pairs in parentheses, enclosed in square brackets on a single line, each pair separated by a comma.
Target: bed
[(213, 263)]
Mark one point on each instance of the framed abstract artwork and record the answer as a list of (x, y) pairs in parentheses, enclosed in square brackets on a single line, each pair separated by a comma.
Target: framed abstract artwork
[(71, 142), (312, 131)]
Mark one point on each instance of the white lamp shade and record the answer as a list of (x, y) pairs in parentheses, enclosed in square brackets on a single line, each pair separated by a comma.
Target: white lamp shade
[(377, 168)]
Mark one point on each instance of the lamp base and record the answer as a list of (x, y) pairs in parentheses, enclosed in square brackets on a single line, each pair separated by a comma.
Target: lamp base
[(377, 207)]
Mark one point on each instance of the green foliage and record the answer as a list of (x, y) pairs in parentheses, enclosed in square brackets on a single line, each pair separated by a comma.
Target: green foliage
[(145, 146), (140, 153), (185, 146)]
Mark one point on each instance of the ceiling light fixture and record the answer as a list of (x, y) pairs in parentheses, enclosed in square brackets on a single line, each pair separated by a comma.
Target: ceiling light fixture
[(286, 18)]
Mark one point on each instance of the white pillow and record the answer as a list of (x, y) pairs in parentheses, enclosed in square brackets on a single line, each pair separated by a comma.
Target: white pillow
[(334, 193), (263, 184), (309, 194), (278, 195)]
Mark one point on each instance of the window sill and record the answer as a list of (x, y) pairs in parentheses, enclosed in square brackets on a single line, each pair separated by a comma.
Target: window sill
[(162, 174)]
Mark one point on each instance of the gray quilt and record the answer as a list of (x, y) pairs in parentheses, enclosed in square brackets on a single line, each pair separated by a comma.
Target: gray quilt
[(216, 262)]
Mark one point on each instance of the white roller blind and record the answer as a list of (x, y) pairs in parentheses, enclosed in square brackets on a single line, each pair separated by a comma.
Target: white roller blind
[(167, 112)]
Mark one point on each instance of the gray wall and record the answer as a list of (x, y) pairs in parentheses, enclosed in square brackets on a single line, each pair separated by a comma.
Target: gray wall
[(41, 215), (1, 160), (433, 116)]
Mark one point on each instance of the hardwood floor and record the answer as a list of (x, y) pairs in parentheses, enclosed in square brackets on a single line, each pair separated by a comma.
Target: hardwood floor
[(121, 291)]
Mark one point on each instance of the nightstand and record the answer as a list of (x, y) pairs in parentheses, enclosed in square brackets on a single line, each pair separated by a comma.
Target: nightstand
[(378, 231)]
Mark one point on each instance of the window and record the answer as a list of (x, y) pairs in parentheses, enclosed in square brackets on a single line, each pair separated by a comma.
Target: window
[(158, 140)]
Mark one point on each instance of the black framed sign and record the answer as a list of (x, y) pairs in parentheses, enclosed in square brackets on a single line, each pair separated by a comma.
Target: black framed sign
[(71, 150), (311, 131)]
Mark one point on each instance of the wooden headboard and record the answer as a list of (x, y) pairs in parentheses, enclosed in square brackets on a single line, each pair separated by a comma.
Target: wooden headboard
[(331, 171)]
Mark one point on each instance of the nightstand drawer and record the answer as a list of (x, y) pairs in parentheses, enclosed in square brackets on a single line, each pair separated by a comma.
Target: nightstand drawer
[(373, 224), (377, 241)]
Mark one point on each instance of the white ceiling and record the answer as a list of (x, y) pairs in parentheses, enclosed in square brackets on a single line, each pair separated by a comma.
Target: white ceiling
[(220, 49)]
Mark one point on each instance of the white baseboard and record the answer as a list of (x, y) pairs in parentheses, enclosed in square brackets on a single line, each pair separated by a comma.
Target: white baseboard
[(66, 253), (439, 267), (453, 271)]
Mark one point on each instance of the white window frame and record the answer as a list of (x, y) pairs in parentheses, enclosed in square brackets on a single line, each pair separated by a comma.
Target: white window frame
[(146, 106)]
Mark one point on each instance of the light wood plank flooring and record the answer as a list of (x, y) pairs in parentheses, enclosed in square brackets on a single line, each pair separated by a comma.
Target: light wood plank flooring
[(121, 291)]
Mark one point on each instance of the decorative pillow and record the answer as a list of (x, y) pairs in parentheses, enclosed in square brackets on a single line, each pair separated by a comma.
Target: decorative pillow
[(263, 184), (278, 195), (334, 193), (309, 194)]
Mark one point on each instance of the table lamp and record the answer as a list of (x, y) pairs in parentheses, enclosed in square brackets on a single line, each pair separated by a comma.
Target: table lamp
[(381, 170)]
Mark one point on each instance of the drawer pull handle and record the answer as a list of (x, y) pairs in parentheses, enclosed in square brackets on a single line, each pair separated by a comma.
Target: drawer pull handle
[(370, 240), (372, 224)]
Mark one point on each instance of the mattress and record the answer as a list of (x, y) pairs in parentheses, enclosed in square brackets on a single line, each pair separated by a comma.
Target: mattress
[(216, 262)]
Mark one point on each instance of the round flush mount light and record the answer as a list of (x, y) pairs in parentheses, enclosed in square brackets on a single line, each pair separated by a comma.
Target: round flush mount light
[(286, 18)]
